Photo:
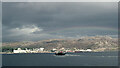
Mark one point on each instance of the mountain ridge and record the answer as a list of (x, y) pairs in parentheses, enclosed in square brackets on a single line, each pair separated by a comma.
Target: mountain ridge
[(97, 43)]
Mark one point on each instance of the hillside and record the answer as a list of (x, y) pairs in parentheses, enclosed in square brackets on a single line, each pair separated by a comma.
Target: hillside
[(97, 43)]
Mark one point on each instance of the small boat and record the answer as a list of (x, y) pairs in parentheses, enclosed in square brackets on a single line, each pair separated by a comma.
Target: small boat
[(60, 53)]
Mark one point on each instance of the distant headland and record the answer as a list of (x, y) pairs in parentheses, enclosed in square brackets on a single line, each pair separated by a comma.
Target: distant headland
[(94, 43)]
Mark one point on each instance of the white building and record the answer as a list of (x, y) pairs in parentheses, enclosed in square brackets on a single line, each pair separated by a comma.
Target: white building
[(19, 50), (41, 49), (88, 50), (54, 49)]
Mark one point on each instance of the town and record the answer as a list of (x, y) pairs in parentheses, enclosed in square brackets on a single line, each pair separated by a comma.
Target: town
[(84, 44), (41, 50)]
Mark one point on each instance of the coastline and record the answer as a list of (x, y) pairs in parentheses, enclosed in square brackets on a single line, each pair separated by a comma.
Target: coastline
[(54, 52)]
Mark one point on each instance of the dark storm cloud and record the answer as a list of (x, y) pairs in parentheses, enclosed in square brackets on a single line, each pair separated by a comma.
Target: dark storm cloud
[(55, 16)]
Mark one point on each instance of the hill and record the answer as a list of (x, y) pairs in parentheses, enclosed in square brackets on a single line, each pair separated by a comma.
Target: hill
[(97, 43)]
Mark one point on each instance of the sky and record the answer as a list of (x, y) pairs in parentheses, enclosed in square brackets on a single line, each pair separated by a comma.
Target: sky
[(34, 21)]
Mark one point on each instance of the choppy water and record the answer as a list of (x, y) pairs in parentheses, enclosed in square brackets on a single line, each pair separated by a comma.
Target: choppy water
[(75, 59)]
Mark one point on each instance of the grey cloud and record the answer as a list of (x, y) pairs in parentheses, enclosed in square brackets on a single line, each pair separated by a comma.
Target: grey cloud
[(55, 16)]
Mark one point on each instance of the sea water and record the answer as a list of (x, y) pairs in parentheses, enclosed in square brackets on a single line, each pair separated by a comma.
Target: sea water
[(50, 59)]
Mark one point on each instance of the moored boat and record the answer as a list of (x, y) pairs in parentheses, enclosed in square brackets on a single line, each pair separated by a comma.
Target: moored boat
[(60, 53)]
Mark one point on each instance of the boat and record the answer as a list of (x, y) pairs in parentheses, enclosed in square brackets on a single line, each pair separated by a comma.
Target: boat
[(60, 53)]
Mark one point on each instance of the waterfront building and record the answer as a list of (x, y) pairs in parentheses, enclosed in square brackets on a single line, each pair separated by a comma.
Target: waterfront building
[(19, 50), (41, 49)]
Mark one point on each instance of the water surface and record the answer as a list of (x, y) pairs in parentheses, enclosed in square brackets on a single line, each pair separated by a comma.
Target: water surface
[(75, 59)]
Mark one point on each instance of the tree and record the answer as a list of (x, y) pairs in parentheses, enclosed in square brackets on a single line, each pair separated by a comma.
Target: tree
[(7, 49)]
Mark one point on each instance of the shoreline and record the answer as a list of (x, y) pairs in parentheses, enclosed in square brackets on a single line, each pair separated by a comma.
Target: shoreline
[(54, 52)]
